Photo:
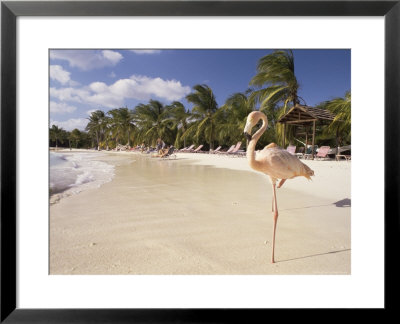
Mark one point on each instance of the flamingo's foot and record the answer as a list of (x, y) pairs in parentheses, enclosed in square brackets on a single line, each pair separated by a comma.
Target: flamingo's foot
[(280, 184)]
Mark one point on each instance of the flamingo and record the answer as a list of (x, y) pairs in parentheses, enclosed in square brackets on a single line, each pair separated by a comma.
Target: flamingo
[(272, 161)]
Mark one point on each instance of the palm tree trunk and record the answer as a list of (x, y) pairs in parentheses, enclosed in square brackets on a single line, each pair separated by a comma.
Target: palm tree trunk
[(284, 136), (212, 137), (184, 139), (295, 100), (337, 141), (98, 144)]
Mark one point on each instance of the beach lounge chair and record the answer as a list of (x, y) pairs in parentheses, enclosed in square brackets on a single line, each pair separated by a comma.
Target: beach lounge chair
[(291, 149), (187, 149), (323, 152), (300, 153), (198, 149), (340, 154), (216, 150), (235, 151), (346, 157), (230, 150), (308, 153)]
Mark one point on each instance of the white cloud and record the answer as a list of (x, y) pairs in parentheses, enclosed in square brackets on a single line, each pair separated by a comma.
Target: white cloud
[(141, 52), (87, 59), (61, 108), (89, 112), (168, 89), (59, 74), (114, 95), (112, 56), (69, 94), (70, 124), (98, 87)]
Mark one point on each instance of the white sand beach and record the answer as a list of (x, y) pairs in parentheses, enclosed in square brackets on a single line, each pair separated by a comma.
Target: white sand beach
[(203, 214)]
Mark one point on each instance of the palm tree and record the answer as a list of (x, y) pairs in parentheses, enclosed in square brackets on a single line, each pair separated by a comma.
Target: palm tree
[(235, 112), (128, 120), (153, 121), (97, 125), (121, 123), (275, 72), (179, 116), (279, 86), (203, 113), (341, 125), (115, 126), (75, 136), (56, 134)]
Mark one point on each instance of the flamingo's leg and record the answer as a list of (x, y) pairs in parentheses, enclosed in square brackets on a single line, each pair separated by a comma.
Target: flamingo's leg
[(272, 203), (273, 181), (281, 183), (275, 218)]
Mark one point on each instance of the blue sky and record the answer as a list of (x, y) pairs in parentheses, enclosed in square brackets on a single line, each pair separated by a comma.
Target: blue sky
[(82, 81)]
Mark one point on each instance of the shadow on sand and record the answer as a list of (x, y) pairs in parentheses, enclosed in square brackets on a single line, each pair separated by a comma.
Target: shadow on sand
[(313, 255), (341, 203), (169, 159)]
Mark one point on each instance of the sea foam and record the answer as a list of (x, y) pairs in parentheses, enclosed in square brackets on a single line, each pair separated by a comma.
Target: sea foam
[(70, 173)]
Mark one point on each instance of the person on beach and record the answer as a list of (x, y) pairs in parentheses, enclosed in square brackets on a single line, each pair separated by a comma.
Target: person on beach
[(160, 146), (162, 152)]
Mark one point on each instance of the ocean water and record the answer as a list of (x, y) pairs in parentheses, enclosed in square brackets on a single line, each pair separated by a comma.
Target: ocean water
[(70, 173)]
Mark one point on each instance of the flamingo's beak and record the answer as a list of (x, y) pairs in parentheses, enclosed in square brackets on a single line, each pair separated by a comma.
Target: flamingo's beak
[(247, 128), (248, 137), (247, 131)]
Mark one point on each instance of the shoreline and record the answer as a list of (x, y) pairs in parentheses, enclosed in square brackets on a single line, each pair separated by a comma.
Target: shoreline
[(323, 170), (210, 217)]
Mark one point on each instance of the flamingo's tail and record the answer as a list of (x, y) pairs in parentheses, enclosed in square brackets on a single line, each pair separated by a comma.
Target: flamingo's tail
[(271, 145), (307, 172)]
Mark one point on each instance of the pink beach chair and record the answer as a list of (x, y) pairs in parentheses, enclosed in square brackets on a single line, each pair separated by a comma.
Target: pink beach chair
[(235, 149), (216, 150), (291, 149), (230, 150), (323, 152), (187, 149), (198, 149)]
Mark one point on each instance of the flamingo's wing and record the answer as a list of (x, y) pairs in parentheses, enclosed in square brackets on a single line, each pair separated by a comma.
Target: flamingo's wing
[(280, 164)]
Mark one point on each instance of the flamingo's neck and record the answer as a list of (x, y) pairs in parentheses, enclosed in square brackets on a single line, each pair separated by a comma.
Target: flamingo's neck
[(251, 147)]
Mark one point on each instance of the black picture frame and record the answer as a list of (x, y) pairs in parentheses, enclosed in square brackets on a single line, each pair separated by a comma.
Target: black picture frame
[(9, 13)]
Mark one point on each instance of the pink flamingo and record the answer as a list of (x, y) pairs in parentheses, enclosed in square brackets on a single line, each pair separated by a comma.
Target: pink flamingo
[(273, 161)]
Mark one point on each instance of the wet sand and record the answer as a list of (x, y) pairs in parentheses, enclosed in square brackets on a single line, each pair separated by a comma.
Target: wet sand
[(185, 216)]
